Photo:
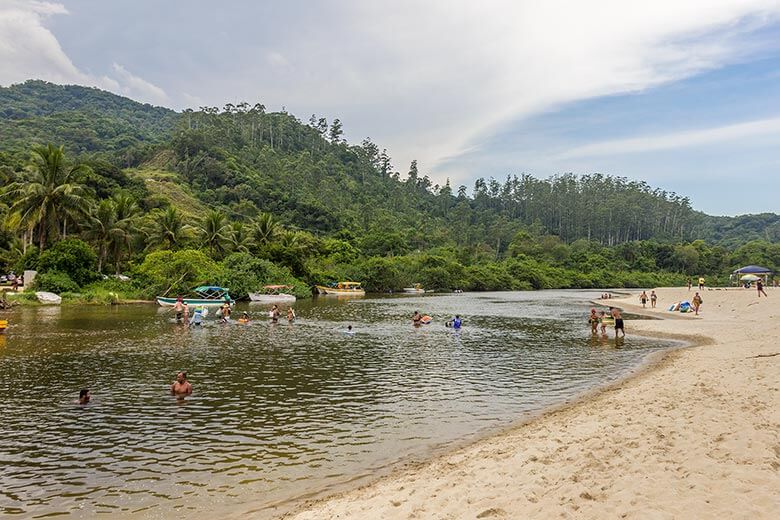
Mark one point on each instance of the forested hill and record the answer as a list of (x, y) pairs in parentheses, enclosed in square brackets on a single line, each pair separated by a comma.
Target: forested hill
[(85, 120), (244, 161)]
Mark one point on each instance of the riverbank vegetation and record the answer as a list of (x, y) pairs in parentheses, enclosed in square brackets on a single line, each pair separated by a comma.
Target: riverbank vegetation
[(244, 197)]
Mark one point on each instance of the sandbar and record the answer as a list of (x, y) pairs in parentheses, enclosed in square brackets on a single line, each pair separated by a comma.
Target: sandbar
[(693, 435)]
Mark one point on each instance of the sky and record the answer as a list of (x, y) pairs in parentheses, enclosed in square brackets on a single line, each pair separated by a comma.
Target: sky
[(680, 94)]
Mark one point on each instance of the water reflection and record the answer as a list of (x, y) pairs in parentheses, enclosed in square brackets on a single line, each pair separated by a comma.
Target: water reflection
[(277, 409)]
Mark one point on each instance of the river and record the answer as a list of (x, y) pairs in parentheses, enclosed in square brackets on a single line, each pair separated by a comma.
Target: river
[(279, 411)]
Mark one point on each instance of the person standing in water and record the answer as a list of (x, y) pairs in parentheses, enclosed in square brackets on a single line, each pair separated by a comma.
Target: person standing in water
[(457, 322), (416, 318), (225, 312), (618, 317), (181, 387), (290, 314), (593, 319), (274, 313), (178, 308)]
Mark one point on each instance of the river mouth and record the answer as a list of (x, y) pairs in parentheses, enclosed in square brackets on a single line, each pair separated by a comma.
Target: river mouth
[(278, 410)]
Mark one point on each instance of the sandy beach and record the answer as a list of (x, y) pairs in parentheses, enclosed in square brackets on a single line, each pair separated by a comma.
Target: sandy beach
[(696, 434)]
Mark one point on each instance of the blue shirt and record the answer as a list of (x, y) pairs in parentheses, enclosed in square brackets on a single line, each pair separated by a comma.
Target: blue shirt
[(456, 323)]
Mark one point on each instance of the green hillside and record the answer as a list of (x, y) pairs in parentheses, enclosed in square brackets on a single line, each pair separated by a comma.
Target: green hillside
[(243, 181)]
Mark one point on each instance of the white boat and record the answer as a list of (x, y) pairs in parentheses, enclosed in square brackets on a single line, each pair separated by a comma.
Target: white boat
[(342, 289), (272, 294), (417, 289)]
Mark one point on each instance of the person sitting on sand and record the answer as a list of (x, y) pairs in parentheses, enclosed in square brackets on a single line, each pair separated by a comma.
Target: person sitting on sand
[(181, 387), (593, 319), (643, 299), (615, 312), (84, 396)]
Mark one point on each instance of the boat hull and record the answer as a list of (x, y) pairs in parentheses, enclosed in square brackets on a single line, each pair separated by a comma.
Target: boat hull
[(197, 302), (271, 298), (321, 289), (413, 290)]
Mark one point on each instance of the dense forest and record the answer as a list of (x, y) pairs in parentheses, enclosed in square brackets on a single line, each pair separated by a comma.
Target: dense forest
[(242, 196)]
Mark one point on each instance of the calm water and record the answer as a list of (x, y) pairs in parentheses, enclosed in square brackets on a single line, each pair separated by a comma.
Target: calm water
[(278, 411)]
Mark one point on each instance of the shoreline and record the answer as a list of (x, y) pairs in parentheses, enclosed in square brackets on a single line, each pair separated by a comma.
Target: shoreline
[(475, 477)]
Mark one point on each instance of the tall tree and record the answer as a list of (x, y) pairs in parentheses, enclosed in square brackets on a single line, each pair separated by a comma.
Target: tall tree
[(50, 194)]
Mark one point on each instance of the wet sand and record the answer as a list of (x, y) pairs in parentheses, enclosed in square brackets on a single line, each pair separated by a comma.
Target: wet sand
[(695, 434)]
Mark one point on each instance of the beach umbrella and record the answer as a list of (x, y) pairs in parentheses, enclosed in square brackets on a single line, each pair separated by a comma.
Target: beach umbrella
[(749, 278)]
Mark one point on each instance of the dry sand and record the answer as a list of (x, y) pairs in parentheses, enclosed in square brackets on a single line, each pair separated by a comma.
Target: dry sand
[(695, 435)]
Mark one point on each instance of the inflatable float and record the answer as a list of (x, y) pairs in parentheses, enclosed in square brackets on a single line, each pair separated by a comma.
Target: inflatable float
[(426, 320)]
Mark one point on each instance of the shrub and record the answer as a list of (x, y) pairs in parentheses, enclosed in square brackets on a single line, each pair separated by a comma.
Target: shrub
[(169, 272), (56, 282), (72, 257)]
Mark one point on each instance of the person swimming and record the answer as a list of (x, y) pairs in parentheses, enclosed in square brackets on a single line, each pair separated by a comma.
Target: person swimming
[(181, 387), (84, 396), (244, 317)]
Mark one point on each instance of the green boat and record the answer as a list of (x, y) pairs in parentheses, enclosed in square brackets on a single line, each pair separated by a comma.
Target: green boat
[(208, 295)]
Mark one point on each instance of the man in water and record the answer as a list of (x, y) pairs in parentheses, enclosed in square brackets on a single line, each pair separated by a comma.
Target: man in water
[(178, 308), (197, 317), (457, 322), (181, 387), (618, 317), (417, 318), (84, 396)]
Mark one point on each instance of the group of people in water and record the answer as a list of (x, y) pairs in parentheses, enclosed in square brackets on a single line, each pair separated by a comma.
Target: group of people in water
[(182, 312), (602, 319)]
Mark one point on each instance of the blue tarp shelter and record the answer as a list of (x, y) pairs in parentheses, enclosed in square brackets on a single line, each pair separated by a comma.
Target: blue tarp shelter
[(751, 269)]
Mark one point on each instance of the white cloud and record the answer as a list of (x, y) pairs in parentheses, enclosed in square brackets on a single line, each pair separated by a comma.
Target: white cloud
[(426, 79), (674, 140), (138, 88), (29, 50)]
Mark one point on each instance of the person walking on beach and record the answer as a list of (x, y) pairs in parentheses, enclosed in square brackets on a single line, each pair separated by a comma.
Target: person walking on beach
[(689, 284), (760, 287), (181, 387), (697, 301), (701, 283), (643, 299), (618, 317), (653, 299)]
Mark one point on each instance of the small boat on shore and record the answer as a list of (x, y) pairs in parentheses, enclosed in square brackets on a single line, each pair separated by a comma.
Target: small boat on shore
[(272, 294), (209, 296), (416, 289), (342, 289)]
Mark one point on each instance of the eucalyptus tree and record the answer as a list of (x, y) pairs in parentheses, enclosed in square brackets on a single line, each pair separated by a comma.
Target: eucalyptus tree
[(49, 195)]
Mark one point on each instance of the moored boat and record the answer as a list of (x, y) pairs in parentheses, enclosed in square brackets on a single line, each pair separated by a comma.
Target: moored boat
[(272, 294), (342, 289), (209, 296), (416, 289)]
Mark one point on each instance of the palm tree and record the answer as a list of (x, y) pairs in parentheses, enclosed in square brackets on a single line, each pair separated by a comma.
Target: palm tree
[(266, 229), (241, 241), (127, 212), (215, 231), (49, 195), (111, 228), (168, 229)]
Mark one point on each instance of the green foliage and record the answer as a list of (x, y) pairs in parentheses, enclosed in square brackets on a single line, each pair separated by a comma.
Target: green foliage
[(243, 273), (72, 257), (56, 282), (29, 260), (165, 273)]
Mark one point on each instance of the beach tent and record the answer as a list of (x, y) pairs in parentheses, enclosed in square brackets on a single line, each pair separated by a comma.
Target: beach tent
[(754, 270), (749, 277)]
